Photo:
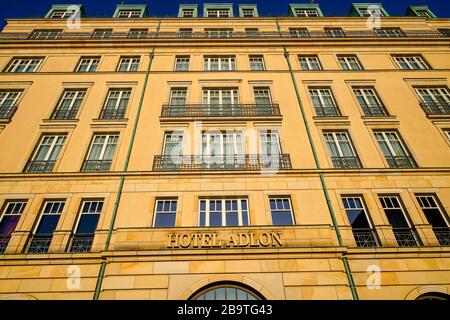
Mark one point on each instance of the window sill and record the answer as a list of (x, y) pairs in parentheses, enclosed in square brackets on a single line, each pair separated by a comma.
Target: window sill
[(331, 121)]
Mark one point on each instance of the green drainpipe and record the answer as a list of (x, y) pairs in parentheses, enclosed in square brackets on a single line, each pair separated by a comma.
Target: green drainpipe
[(122, 178), (322, 179)]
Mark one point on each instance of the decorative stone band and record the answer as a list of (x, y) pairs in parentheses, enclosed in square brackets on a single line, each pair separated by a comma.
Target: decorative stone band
[(224, 240)]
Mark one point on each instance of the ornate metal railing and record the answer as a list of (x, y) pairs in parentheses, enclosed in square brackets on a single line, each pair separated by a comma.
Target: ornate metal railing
[(362, 34), (113, 113), (7, 112), (365, 238), (40, 243), (81, 243), (35, 166), (327, 111), (436, 108), (220, 110), (346, 162), (247, 162), (443, 236), (401, 162), (96, 165), (406, 237), (64, 114), (3, 243), (374, 110)]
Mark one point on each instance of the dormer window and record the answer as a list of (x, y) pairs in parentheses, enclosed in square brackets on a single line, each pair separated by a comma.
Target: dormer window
[(423, 13), (129, 14), (188, 13), (214, 13), (62, 14), (248, 13), (306, 13), (369, 12)]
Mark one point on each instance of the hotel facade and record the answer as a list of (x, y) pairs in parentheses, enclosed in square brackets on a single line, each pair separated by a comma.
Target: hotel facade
[(222, 154)]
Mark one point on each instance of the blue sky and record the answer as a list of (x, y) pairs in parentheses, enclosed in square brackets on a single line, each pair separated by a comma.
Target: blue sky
[(105, 8)]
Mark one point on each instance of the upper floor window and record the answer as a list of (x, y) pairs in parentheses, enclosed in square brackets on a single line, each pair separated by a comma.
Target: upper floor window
[(369, 12), (394, 150), (223, 212), (309, 62), (252, 32), (129, 14), (173, 144), (116, 104), (128, 64), (221, 143), (10, 216), (248, 13), (324, 103), (101, 152), (341, 150), (435, 100), (62, 14), (423, 13), (262, 96), (165, 213), (257, 63), (436, 216), (281, 211), (178, 96), (137, 33), (185, 32), (390, 32), (218, 32), (46, 153), (86, 225), (349, 62), (187, 13), (225, 96), (334, 32), (306, 13), (219, 63), (270, 142), (24, 64), (8, 102), (69, 104), (88, 64), (45, 34), (102, 33), (369, 101), (182, 63), (299, 32), (216, 13), (411, 62)]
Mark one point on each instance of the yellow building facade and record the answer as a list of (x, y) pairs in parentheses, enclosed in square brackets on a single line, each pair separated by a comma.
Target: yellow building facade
[(225, 154)]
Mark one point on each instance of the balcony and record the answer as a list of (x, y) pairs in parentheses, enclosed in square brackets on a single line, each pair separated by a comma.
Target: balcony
[(406, 237), (36, 166), (401, 162), (443, 236), (6, 112), (357, 34), (4, 240), (64, 114), (40, 243), (111, 114), (81, 243), (327, 111), (219, 110), (436, 108), (365, 238), (346, 162), (247, 162), (96, 165), (374, 110)]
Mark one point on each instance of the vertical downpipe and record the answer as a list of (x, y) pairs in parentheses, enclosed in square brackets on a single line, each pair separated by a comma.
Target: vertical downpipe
[(321, 175)]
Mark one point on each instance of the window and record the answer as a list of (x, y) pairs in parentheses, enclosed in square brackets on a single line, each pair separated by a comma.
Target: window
[(401, 226), (165, 213), (435, 101), (220, 97), (178, 96), (270, 142), (182, 63), (248, 13), (129, 14), (128, 64), (324, 103), (445, 31), (365, 12), (42, 237), (341, 150), (116, 104), (8, 102), (226, 292), (187, 13), (45, 34), (185, 32), (423, 13), (257, 63), (24, 65), (220, 144), (262, 96), (101, 153), (46, 154), (389, 32), (299, 32), (102, 33), (69, 104), (86, 226), (252, 32), (393, 149), (62, 14), (215, 13), (218, 33), (10, 216), (306, 13), (369, 102), (349, 62), (411, 62), (138, 33), (359, 220), (309, 63), (334, 32), (173, 144), (223, 212), (280, 209), (436, 216), (225, 63), (88, 64)]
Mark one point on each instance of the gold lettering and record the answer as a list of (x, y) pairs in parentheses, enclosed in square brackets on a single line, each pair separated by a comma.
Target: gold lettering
[(266, 242), (231, 241), (216, 243), (276, 237), (173, 240), (253, 241), (244, 239), (206, 240), (185, 244)]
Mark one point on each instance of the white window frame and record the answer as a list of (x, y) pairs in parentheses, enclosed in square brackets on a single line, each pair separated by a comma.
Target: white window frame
[(129, 62), (187, 13), (421, 200), (44, 34), (320, 93), (224, 212), (257, 60), (123, 94), (53, 144), (44, 213), (6, 95), (248, 13), (391, 32), (262, 92), (310, 61), (21, 203), (423, 13), (299, 32), (218, 13), (31, 61), (137, 33), (409, 61), (334, 32), (125, 13), (162, 212), (224, 137), (176, 93), (104, 146), (81, 213), (175, 138), (275, 198), (230, 61), (337, 143), (274, 136), (79, 94), (388, 143), (182, 63), (102, 33), (62, 14), (442, 92), (234, 95), (366, 13), (93, 63), (363, 207), (347, 61), (390, 205), (306, 12)]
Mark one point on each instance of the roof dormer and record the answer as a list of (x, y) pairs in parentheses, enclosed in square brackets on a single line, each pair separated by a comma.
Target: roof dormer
[(248, 11), (367, 10), (305, 10), (64, 11), (218, 10), (188, 11), (420, 11), (127, 11)]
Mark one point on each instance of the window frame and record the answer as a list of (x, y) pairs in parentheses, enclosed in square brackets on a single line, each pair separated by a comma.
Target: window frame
[(133, 61), (104, 146), (336, 142), (94, 62), (418, 59), (224, 212), (260, 61), (55, 137), (282, 197), (182, 61), (310, 60), (231, 62), (78, 91), (15, 62), (343, 59), (155, 211)]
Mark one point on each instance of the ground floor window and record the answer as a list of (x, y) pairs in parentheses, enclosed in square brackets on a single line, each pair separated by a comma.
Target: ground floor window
[(226, 291)]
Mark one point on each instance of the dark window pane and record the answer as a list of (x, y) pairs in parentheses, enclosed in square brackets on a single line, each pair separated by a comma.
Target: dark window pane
[(435, 218), (88, 223), (232, 219), (48, 224), (166, 220), (396, 218), (358, 219), (8, 224), (281, 218), (215, 219), (202, 218)]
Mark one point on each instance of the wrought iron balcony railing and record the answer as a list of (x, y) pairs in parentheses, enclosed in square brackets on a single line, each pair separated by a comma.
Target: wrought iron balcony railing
[(81, 243), (96, 165), (36, 166), (406, 237), (346, 162), (40, 243), (245, 162), (327, 111), (443, 236), (357, 34), (374, 110), (7, 112), (113, 113), (436, 108), (401, 162), (64, 114), (4, 243), (365, 238), (220, 110)]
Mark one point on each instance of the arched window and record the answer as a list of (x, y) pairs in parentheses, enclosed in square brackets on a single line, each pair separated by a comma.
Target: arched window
[(226, 291), (433, 296)]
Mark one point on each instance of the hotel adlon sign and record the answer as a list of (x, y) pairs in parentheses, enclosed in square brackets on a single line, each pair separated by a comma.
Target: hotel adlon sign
[(224, 240)]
